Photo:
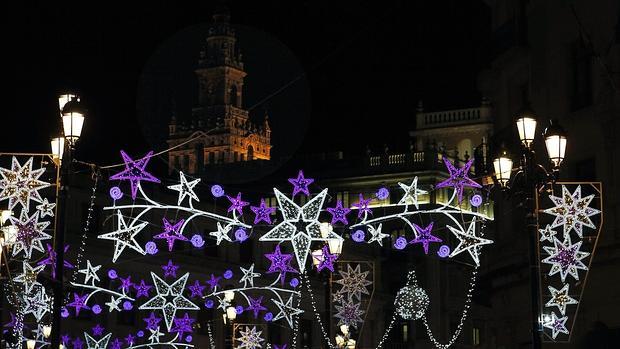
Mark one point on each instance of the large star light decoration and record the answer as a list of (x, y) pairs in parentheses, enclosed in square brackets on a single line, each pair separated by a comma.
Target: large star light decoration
[(411, 193), (250, 338), (28, 277), (169, 298), (565, 258), (560, 298), (172, 233), (354, 282), (21, 184), (458, 178), (124, 236), (557, 325), (135, 172), (424, 236), (349, 313), (469, 241), (185, 188), (300, 226), (287, 310), (572, 212), (29, 234)]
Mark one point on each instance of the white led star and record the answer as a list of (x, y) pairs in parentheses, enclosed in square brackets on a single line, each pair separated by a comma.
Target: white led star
[(565, 258), (21, 184), (29, 234), (92, 343), (169, 298), (469, 241), (113, 304), (155, 334), (560, 298), (300, 226), (248, 276), (557, 325), (571, 211), (124, 236), (223, 303), (411, 193), (46, 208), (376, 234), (185, 188), (547, 234), (29, 276), (250, 338), (37, 303), (90, 272), (222, 233), (287, 311), (354, 282)]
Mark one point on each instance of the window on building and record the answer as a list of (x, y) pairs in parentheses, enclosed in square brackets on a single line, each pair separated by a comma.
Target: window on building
[(236, 156), (475, 336), (250, 153), (582, 77)]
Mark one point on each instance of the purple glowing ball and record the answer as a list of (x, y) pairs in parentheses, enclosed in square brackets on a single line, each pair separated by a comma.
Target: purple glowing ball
[(96, 309), (197, 241), (189, 338), (383, 193), (294, 282), (112, 274), (151, 248), (140, 334), (241, 235), (217, 191), (238, 309), (116, 193), (209, 303), (444, 251), (127, 305), (358, 236), (64, 312), (476, 200), (400, 243), (268, 316), (228, 274)]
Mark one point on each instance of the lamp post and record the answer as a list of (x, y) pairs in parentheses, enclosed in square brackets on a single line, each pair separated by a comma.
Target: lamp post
[(72, 115), (533, 174)]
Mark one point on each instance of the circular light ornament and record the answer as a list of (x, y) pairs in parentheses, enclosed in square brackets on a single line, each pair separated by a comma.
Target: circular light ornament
[(411, 303)]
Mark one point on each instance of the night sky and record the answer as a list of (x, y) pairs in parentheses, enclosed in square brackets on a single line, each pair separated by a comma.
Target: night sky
[(358, 68)]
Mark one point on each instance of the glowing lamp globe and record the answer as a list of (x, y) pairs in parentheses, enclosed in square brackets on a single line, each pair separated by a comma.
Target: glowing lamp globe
[(526, 125), (231, 313), (30, 343), (555, 142), (47, 330), (503, 167), (73, 119), (58, 148)]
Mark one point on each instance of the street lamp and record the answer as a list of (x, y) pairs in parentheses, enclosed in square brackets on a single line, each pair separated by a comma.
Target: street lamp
[(555, 142), (47, 330), (335, 245), (72, 113), (30, 343), (526, 125), (58, 149), (503, 167)]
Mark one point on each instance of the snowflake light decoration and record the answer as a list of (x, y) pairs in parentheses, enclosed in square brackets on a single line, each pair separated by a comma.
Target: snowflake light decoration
[(557, 325), (250, 338), (565, 258), (21, 184), (349, 313), (29, 234), (560, 298), (354, 282), (572, 212)]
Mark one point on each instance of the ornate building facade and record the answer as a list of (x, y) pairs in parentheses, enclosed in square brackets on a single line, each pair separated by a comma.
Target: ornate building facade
[(220, 130)]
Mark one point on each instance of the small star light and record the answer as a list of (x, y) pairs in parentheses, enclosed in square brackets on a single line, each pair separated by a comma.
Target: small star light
[(46, 208), (79, 302), (91, 343), (376, 234), (411, 193), (262, 212), (557, 325), (354, 282), (170, 270), (135, 172), (469, 241), (349, 314), (250, 338), (113, 304), (362, 206), (124, 236), (169, 298), (571, 211), (214, 282), (172, 233), (29, 234), (458, 178), (411, 303), (142, 289), (339, 213), (20, 184), (126, 284), (90, 272), (300, 184), (287, 311), (222, 233), (29, 276), (565, 258), (280, 263), (196, 289), (183, 325), (255, 306), (236, 204), (326, 260), (424, 236), (116, 344), (300, 226), (560, 298), (38, 303), (185, 188), (248, 276), (78, 343), (51, 259), (98, 330), (547, 234)]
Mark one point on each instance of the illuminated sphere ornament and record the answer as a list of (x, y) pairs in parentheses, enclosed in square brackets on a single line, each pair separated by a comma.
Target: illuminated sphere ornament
[(197, 241), (268, 316), (228, 274), (358, 236), (239, 309), (411, 303), (209, 303), (96, 309), (116, 193), (400, 243), (294, 282), (383, 193), (151, 248), (444, 251), (476, 200), (217, 191), (112, 274), (241, 235), (64, 312)]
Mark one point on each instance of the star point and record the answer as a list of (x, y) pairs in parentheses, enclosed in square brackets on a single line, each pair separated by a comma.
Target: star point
[(185, 188)]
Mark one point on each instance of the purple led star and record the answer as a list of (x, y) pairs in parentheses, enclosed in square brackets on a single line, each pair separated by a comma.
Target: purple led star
[(362, 206), (236, 204), (339, 213), (458, 178), (116, 344), (152, 322), (172, 233), (170, 270), (126, 284), (78, 343), (142, 289), (326, 260), (255, 305), (98, 330), (283, 346), (130, 339), (182, 325), (301, 183), (196, 289), (79, 302), (51, 259), (424, 236), (214, 282), (64, 339), (262, 212), (280, 263), (134, 172)]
